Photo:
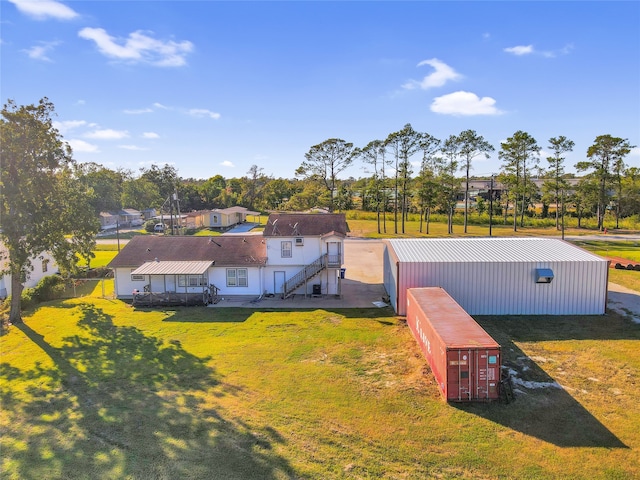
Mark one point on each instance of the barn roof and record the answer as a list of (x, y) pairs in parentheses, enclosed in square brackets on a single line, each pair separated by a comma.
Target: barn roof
[(478, 250), (223, 250), (305, 224)]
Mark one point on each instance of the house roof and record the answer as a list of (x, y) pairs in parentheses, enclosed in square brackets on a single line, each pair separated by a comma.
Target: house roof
[(305, 224), (236, 209), (223, 250), (468, 250), (172, 268)]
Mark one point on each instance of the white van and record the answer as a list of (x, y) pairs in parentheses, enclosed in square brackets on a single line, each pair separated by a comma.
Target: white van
[(159, 227)]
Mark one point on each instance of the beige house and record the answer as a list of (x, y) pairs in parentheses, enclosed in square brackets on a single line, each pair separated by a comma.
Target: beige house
[(227, 217)]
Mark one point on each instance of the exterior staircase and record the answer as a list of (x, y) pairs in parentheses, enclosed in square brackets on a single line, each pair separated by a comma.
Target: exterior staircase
[(307, 273)]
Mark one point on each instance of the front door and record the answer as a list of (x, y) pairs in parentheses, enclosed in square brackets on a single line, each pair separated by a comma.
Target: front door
[(335, 257), (278, 282)]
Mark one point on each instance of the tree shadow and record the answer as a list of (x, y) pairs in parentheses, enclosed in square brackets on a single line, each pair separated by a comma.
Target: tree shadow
[(242, 314), (542, 407), (120, 404)]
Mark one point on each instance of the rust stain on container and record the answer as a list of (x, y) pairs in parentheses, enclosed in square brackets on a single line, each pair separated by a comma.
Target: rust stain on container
[(463, 357)]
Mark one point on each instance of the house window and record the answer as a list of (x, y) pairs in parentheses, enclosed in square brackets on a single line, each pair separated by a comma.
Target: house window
[(192, 280), (137, 278), (45, 265), (285, 248), (237, 277)]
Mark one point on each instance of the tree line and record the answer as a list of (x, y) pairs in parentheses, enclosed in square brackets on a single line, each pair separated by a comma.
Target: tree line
[(391, 186)]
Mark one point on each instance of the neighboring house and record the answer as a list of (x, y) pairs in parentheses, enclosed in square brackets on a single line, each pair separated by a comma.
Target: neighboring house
[(297, 254), (43, 265), (148, 214), (195, 219), (130, 217), (227, 217), (108, 220)]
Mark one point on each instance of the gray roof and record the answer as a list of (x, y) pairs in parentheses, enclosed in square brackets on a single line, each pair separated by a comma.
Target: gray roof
[(172, 268), (467, 250)]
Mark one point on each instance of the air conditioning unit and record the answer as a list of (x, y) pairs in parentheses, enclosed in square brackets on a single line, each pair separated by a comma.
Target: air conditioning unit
[(299, 242)]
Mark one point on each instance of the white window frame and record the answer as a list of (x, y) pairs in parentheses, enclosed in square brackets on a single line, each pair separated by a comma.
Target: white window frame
[(192, 280), (136, 278), (237, 277), (286, 249)]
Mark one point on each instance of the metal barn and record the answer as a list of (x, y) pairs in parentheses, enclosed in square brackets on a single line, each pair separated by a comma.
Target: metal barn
[(499, 276)]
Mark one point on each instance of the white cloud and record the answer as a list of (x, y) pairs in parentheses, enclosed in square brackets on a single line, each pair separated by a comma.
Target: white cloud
[(68, 125), (139, 47), (159, 105), (150, 135), (40, 52), (203, 112), (138, 111), (132, 147), (442, 74), (227, 163), (107, 134), (520, 50), (464, 103), (82, 146), (43, 9)]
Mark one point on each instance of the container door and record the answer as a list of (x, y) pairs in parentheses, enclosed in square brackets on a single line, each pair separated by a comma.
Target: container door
[(487, 367), (459, 375)]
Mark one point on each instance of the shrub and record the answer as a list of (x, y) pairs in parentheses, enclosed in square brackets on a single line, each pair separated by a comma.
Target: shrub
[(48, 288)]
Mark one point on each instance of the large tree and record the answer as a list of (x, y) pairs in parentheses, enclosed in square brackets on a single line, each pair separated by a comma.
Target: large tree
[(41, 199), (520, 154), (606, 159), (106, 185), (324, 162), (427, 185), (469, 145), (403, 144), (373, 155), (555, 182)]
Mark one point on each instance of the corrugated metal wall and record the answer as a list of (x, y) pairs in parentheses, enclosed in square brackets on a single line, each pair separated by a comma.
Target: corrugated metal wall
[(389, 261), (507, 288)]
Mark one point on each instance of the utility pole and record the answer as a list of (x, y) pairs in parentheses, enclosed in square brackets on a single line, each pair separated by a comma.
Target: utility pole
[(562, 214), (490, 204)]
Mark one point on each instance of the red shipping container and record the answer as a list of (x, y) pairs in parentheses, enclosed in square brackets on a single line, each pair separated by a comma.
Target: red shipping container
[(463, 357)]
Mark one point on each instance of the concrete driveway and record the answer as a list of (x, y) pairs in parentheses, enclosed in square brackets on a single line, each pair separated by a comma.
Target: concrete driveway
[(361, 286)]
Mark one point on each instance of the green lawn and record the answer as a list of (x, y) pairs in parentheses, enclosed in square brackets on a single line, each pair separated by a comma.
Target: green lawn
[(92, 388)]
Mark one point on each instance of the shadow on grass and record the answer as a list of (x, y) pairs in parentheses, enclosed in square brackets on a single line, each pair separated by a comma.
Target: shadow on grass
[(241, 314), (531, 328), (542, 408), (120, 404)]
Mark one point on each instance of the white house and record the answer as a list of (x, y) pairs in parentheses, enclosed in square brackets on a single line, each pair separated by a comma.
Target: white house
[(42, 265), (304, 253), (499, 276), (297, 254)]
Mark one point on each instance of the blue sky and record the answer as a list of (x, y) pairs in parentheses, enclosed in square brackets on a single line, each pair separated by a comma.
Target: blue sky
[(216, 87)]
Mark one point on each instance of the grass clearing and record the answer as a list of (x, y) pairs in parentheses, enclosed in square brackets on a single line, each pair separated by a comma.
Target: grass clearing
[(92, 388)]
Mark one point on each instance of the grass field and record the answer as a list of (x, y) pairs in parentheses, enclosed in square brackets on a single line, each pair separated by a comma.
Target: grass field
[(92, 388)]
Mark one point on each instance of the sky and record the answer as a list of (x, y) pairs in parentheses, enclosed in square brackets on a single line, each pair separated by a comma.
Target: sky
[(214, 87)]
